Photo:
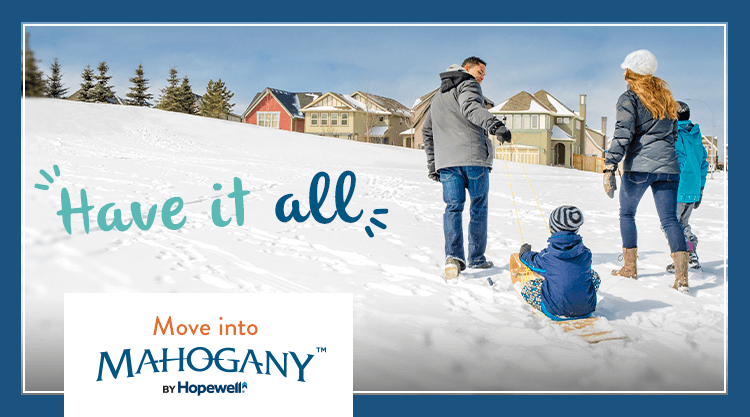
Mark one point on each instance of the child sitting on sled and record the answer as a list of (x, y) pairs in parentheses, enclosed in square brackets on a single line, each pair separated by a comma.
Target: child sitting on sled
[(569, 286)]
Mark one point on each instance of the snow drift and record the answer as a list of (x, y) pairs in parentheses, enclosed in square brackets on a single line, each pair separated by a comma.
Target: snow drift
[(412, 332)]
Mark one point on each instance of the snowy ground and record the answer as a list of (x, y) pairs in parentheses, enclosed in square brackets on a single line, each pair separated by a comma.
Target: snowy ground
[(412, 331)]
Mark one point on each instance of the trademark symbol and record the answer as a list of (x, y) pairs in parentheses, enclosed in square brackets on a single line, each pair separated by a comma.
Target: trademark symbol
[(321, 349)]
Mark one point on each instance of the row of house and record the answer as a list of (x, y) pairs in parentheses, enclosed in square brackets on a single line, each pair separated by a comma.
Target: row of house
[(360, 116), (545, 131)]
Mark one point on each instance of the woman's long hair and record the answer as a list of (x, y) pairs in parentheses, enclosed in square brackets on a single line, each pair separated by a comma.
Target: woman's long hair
[(654, 93)]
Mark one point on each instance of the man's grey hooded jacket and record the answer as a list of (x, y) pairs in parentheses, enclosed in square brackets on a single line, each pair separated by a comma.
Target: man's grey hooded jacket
[(455, 129)]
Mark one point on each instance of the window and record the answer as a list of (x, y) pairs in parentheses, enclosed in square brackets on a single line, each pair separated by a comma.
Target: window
[(313, 119), (268, 119), (324, 119), (578, 124), (526, 121), (381, 119), (516, 121), (566, 120), (344, 119), (334, 119), (535, 121)]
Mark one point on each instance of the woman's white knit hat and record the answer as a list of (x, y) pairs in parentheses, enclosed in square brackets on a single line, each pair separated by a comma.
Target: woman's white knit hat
[(641, 62)]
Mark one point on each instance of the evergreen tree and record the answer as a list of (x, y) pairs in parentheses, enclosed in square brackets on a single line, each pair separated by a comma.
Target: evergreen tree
[(102, 92), (33, 77), (215, 102), (55, 87), (185, 98), (138, 92), (87, 86), (168, 99)]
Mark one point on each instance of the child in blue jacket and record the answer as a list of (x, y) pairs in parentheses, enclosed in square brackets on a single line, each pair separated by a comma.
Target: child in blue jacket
[(693, 170), (569, 286)]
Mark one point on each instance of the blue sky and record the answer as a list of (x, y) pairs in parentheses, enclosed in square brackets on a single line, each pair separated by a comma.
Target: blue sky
[(402, 62)]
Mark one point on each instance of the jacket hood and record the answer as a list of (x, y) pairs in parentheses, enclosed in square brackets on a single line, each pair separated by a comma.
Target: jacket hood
[(690, 131), (453, 76), (566, 244)]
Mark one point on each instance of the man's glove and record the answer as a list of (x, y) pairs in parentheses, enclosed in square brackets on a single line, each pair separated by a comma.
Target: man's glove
[(698, 203), (432, 174), (610, 184), (501, 131), (524, 248)]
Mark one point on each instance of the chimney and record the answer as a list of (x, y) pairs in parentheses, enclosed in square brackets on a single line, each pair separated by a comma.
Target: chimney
[(582, 111)]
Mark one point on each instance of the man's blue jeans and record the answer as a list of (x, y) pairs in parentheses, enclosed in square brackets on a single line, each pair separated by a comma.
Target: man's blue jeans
[(455, 181), (664, 189)]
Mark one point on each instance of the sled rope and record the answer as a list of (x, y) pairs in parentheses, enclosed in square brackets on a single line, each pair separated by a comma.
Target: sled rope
[(515, 208), (544, 219), (514, 200)]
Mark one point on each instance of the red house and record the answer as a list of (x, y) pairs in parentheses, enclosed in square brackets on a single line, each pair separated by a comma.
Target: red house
[(278, 109)]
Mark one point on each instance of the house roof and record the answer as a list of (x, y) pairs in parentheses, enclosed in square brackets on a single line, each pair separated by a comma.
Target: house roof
[(540, 102), (388, 104), (349, 103), (426, 97), (552, 103), (559, 134), (292, 102), (114, 100), (378, 130), (522, 102)]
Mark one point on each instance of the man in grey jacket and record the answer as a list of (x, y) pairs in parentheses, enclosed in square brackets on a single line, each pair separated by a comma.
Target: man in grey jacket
[(459, 156)]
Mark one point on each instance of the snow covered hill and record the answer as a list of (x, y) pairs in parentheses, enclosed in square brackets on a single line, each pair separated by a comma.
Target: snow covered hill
[(412, 332)]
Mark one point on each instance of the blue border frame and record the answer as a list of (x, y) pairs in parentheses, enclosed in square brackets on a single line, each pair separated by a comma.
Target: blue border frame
[(378, 405)]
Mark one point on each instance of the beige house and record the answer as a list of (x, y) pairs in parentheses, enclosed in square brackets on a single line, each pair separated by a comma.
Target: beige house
[(711, 143), (545, 131), (360, 116), (596, 140)]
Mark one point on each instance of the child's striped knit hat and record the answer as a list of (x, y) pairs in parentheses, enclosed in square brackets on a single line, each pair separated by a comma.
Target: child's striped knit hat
[(565, 218)]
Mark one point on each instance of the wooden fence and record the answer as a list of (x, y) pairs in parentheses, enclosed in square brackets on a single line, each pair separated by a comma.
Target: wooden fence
[(588, 163)]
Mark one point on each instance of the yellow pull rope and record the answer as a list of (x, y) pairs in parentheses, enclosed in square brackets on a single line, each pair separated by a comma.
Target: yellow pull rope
[(515, 207), (544, 219), (514, 200)]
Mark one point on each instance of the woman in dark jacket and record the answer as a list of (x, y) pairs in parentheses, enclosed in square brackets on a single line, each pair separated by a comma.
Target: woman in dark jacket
[(644, 141)]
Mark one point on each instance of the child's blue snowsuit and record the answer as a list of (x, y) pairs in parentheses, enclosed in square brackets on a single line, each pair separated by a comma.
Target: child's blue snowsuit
[(568, 288)]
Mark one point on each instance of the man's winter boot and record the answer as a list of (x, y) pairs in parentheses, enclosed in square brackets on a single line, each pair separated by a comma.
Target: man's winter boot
[(452, 269), (681, 271), (629, 269)]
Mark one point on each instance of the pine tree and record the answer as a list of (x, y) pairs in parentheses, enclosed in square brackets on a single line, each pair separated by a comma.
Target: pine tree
[(33, 77), (216, 101), (168, 99), (102, 92), (138, 92), (87, 86), (185, 98), (55, 87)]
